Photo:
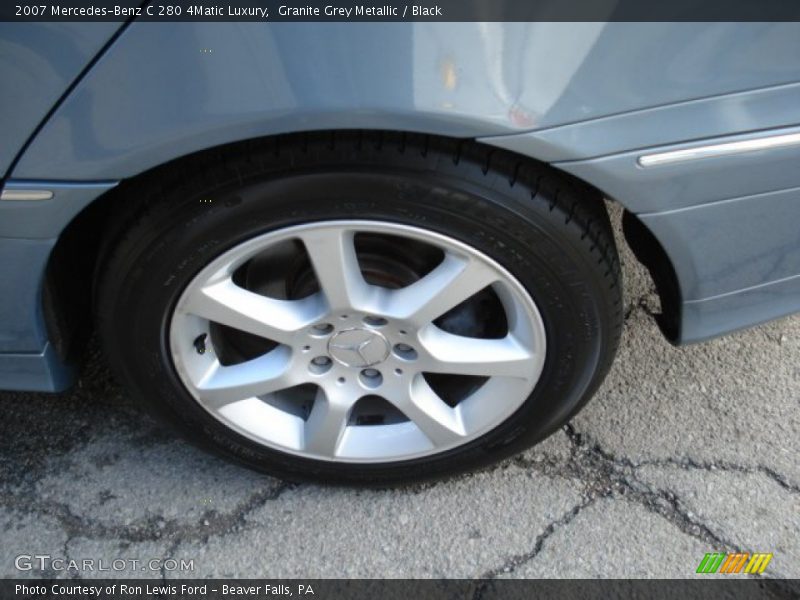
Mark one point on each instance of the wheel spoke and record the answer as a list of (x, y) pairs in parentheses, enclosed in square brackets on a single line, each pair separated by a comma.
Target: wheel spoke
[(327, 422), (226, 303), (440, 423), (458, 355), (454, 280), (222, 385), (333, 256)]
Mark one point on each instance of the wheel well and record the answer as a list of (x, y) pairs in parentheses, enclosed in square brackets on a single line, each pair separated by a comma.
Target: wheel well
[(69, 278), (70, 275), (649, 251)]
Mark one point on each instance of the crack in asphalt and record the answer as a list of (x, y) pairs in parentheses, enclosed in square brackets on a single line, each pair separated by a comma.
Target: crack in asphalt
[(690, 464), (173, 547), (520, 559), (602, 474), (152, 529), (70, 574), (607, 476), (647, 302)]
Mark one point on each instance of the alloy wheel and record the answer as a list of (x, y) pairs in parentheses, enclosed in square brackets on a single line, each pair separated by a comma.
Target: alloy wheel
[(348, 361)]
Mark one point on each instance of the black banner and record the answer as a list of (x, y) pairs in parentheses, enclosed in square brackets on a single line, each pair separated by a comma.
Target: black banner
[(735, 588), (419, 10)]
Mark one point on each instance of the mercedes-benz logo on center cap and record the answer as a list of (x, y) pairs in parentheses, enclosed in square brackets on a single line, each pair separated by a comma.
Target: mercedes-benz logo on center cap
[(358, 347)]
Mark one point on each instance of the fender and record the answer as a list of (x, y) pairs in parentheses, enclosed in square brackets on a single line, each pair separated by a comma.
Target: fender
[(165, 90), (38, 64)]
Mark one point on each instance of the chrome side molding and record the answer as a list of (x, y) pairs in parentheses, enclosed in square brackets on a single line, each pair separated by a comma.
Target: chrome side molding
[(17, 194), (720, 149)]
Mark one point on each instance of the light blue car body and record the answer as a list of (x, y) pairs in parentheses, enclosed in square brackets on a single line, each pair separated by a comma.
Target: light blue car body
[(84, 106)]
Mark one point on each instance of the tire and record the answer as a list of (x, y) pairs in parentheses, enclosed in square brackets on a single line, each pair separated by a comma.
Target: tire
[(535, 343)]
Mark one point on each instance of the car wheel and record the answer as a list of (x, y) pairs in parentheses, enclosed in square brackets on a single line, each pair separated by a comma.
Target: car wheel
[(360, 307)]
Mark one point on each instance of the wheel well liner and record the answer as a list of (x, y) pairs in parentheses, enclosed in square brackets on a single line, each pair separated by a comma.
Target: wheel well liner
[(649, 251)]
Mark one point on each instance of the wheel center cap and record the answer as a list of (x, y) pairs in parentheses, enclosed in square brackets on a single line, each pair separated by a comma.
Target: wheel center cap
[(358, 347)]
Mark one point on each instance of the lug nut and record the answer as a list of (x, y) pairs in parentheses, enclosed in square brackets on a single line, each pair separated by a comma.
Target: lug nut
[(371, 378), (320, 365), (375, 321), (405, 352), (321, 329)]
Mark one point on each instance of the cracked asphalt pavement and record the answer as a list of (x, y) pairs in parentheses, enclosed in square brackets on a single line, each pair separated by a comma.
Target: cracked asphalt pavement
[(683, 451)]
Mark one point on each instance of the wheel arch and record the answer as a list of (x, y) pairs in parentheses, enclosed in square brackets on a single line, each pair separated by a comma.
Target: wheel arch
[(87, 238)]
